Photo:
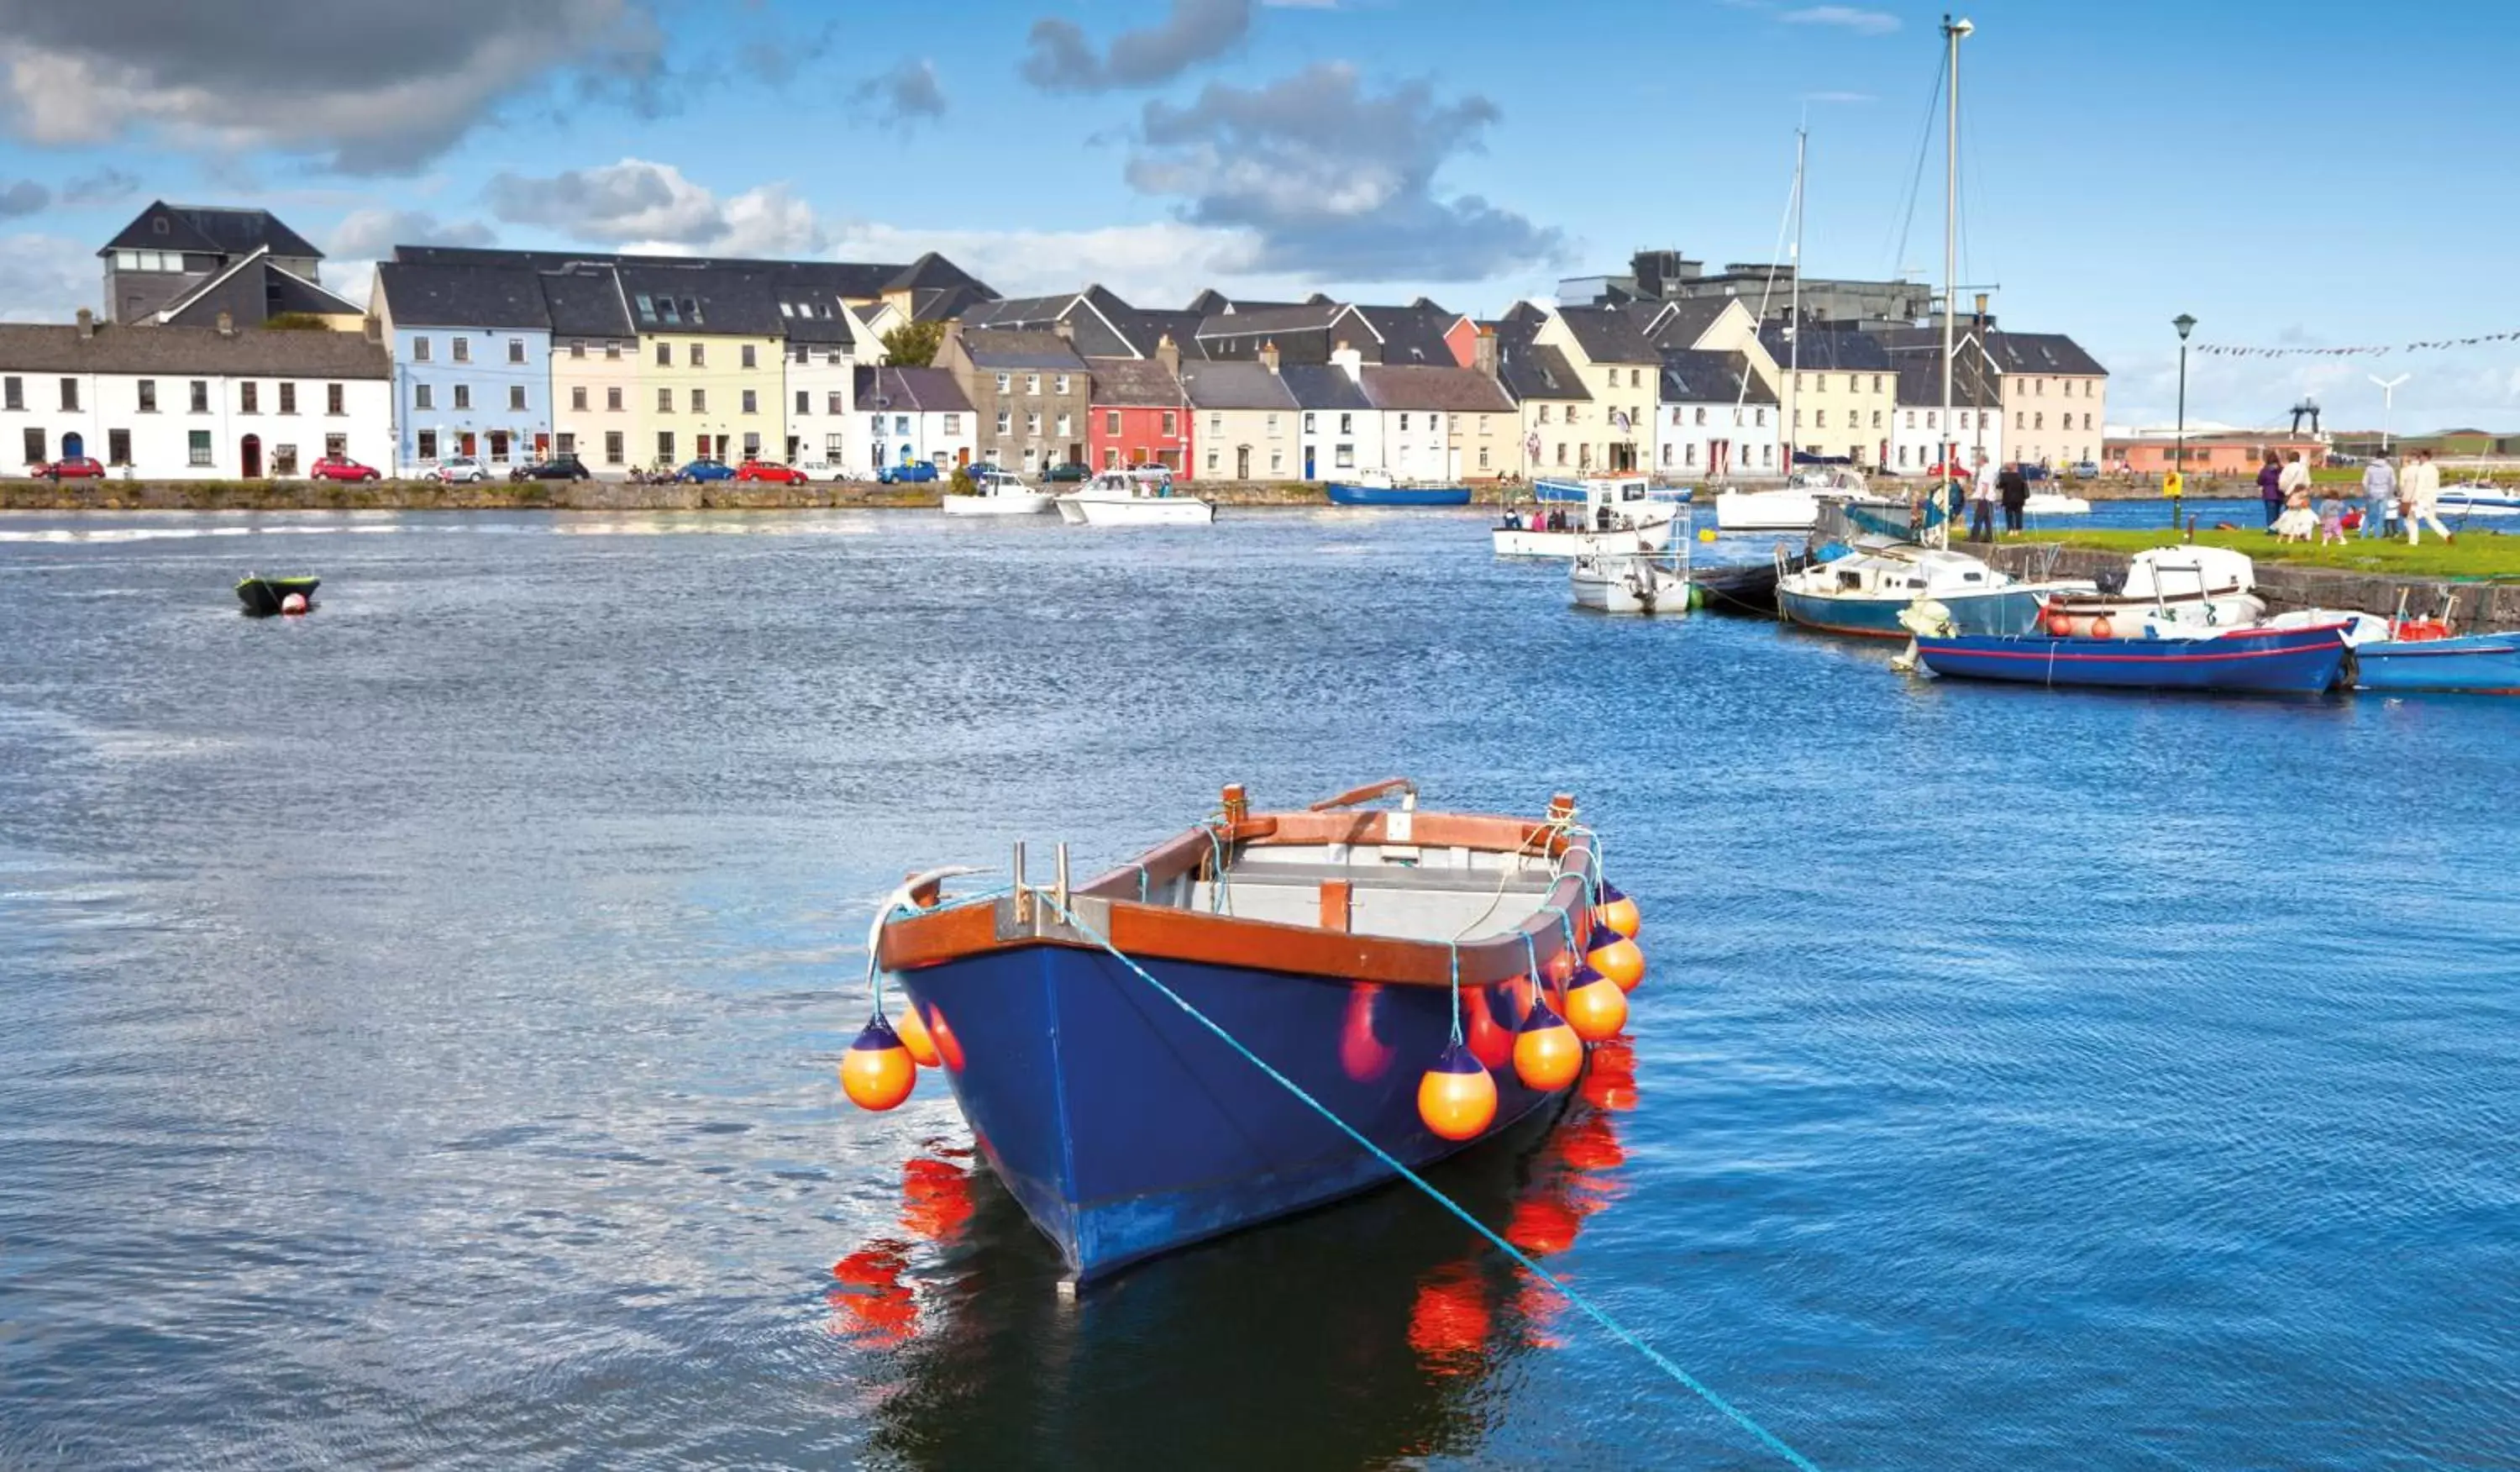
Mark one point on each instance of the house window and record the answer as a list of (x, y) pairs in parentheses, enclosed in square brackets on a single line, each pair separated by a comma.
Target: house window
[(665, 354), (1693, 453), (751, 400), (804, 401), (953, 424), (1004, 418), (462, 396), (249, 397), (515, 349), (577, 349), (1002, 383), (69, 395), (1483, 458), (612, 351), (1911, 419), (1277, 462), (1111, 422), (1211, 462), (1032, 424), (333, 399), (516, 397), (1347, 424), (1701, 415), (664, 400), (1762, 416), (577, 397), (288, 399), (420, 349), (1544, 413), (1308, 422), (613, 446), (901, 424), (1483, 423), (13, 393), (833, 449), (875, 423), (698, 355), (1561, 452), (1403, 421), (1434, 423), (700, 401), (1584, 456), (423, 397), (752, 444), (462, 349), (1172, 422), (34, 446), (499, 447), (1820, 419), (1060, 384), (428, 444), (1876, 419), (147, 395), (2018, 417), (1062, 426), (1344, 457), (746, 352), (2038, 421), (1273, 424), (666, 446), (833, 404), (613, 397), (198, 448)]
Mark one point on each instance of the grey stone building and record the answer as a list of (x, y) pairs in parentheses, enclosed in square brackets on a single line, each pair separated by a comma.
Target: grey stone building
[(179, 256), (1030, 391)]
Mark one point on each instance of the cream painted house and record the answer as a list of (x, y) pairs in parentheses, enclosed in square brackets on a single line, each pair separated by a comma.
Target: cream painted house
[(711, 379), (2052, 397), (1622, 373), (1244, 420), (1837, 392), (1550, 400), (595, 370)]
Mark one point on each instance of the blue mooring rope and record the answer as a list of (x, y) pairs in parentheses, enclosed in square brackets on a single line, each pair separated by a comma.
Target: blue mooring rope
[(1599, 1315)]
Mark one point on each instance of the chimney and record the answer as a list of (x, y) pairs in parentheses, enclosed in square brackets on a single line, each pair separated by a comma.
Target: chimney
[(950, 345), (1349, 361), (1269, 354), (1483, 356), (86, 323), (1168, 353), (227, 325)]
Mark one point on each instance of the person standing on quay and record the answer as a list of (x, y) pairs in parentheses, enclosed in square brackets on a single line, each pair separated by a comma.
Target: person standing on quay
[(2379, 496), (2015, 488), (2271, 486), (2295, 477), (1982, 497), (2423, 493)]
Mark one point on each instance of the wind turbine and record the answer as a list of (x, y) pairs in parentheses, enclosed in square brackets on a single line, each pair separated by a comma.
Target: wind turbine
[(2388, 400)]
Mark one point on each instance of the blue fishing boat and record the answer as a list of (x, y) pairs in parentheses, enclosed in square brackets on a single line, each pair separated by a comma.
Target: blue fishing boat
[(1864, 592), (1375, 489), (2288, 660), (1321, 943), (2476, 663)]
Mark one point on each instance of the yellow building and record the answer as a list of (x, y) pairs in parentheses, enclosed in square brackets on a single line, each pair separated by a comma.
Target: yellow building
[(1621, 372), (711, 375), (1839, 392)]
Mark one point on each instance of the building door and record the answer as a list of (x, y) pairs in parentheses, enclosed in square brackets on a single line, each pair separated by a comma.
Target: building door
[(1308, 462), (73, 446), (249, 451), (1242, 463)]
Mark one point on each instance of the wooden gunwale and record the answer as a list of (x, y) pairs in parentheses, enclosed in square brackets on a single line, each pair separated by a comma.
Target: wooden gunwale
[(1159, 932)]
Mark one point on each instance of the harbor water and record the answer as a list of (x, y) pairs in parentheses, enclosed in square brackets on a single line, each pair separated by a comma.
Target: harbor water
[(421, 1019)]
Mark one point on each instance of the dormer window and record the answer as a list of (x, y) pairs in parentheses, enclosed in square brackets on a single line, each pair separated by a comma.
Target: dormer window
[(666, 305), (646, 310), (691, 310)]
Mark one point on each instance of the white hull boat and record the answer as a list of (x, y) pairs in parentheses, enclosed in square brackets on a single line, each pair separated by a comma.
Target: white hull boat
[(1628, 583), (2473, 499), (1002, 498), (1619, 514), (1119, 500), (1510, 541), (2055, 503), (2193, 589)]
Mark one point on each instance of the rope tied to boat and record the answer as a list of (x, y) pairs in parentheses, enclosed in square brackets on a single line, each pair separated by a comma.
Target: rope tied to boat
[(1596, 1312)]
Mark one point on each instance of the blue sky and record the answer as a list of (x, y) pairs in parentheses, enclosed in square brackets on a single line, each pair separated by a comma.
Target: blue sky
[(2308, 173)]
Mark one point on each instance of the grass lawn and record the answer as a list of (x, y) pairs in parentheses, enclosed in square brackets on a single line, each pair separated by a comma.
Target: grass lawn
[(2476, 554)]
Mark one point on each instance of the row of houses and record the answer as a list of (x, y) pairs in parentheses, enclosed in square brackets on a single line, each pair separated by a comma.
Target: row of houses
[(624, 361)]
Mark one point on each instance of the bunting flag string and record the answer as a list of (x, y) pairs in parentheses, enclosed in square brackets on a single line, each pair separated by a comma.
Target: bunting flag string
[(2373, 350)]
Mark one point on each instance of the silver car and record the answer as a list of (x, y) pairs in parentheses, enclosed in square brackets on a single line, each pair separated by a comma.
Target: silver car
[(460, 468)]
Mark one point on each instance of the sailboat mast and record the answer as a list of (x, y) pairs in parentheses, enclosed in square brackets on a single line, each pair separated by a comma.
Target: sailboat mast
[(1793, 424), (1953, 30)]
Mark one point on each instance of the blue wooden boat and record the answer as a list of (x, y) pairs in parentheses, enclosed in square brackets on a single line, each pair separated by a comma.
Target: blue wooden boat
[(1368, 491), (2293, 660), (1318, 939), (1865, 592), (2477, 663)]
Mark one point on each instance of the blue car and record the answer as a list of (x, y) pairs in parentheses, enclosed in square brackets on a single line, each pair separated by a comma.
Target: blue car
[(914, 471), (705, 470)]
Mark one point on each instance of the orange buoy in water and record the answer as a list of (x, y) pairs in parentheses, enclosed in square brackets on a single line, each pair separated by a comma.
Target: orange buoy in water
[(1617, 912), (876, 1073), (1620, 959), (914, 1035), (294, 603), (1558, 971), (1546, 1053), (1491, 1042), (1596, 1008), (1457, 1098)]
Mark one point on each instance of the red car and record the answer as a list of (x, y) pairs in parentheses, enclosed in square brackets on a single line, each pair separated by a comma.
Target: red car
[(771, 470), (341, 468), (75, 468)]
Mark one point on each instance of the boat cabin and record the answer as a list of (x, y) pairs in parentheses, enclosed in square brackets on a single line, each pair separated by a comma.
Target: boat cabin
[(1899, 567)]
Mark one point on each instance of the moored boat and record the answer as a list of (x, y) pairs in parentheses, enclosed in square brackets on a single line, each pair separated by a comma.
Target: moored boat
[(1105, 1044), (263, 597), (2470, 664), (997, 494), (1115, 498), (1375, 487), (1618, 515), (1629, 583), (2199, 586), (2478, 498), (2264, 660), (2055, 503), (1747, 587), (1864, 592)]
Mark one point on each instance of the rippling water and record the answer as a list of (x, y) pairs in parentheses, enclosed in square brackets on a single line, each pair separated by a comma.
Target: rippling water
[(421, 1019)]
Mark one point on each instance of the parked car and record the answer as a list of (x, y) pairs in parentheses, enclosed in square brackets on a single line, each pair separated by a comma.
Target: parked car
[(698, 470), (2086, 470), (916, 472), (457, 468), (72, 468), (557, 467), (771, 470), (1152, 474), (1071, 471), (341, 468)]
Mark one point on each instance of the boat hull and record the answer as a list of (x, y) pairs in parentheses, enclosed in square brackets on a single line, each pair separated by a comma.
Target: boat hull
[(1397, 496), (1004, 503), (2455, 501), (1512, 542), (1994, 612), (2205, 612), (2268, 661), (1627, 585), (1126, 1128), (262, 596), (2473, 664), (1748, 587), (1140, 511)]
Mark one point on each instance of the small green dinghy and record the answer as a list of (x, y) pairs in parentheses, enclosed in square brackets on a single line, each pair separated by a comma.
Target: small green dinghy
[(263, 597)]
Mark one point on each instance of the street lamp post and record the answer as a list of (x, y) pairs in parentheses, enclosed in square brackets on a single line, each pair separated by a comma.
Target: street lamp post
[(2179, 463)]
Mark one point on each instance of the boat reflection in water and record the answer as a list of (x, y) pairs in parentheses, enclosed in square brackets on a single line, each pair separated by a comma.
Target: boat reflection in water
[(1382, 1328)]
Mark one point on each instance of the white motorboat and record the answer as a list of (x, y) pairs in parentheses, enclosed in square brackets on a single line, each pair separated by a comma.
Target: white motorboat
[(1628, 583), (1619, 514), (1116, 498), (2477, 498), (1795, 505), (2192, 587), (2055, 503), (997, 494)]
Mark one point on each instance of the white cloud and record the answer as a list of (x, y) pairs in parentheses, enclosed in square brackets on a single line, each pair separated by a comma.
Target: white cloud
[(44, 278), (655, 207), (1871, 23)]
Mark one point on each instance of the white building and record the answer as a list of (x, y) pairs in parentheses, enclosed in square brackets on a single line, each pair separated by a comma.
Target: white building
[(822, 408), (198, 403), (911, 414), (1338, 428), (1917, 422), (1423, 408), (1717, 418)]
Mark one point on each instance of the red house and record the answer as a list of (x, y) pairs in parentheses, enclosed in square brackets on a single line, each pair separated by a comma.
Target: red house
[(1141, 413)]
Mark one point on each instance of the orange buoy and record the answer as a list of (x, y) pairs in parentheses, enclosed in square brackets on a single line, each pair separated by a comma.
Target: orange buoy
[(1596, 1008), (1620, 959), (2059, 626), (914, 1035), (2101, 627), (1491, 1042), (294, 603), (1617, 912), (1363, 1055), (1557, 970), (876, 1072), (1546, 1053), (949, 1048), (1457, 1097)]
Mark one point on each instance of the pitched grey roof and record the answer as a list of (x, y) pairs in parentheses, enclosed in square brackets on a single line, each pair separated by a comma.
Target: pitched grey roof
[(853, 281), (943, 304), (1234, 386), (930, 270), (1095, 335), (1242, 322), (922, 391), (1825, 347), (180, 350), (2040, 352), (1020, 350), (210, 228), (462, 296), (1134, 382), (728, 302), (1609, 334), (251, 292), (1680, 324), (1689, 376), (1920, 381), (1452, 389), (1412, 335), (1529, 370), (586, 303), (1319, 386)]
